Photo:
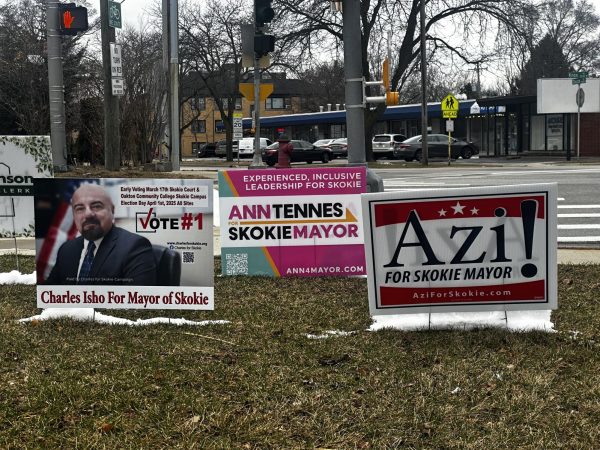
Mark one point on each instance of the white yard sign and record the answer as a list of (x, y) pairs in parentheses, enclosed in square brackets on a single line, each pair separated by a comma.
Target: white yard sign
[(22, 158), (471, 249)]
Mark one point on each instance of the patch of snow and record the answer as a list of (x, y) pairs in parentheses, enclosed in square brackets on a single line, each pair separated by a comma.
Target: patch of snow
[(513, 320), (329, 334), (16, 277), (87, 314)]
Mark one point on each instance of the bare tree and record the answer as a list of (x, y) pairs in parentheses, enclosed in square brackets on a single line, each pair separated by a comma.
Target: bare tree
[(210, 54), (323, 85), (574, 27), (142, 121), (24, 69), (395, 25)]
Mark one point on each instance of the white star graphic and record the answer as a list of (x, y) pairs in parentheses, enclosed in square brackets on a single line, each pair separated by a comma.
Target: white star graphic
[(442, 212), (474, 211), (458, 208)]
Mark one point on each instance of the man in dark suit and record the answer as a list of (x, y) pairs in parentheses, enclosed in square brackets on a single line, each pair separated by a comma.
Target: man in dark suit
[(104, 253)]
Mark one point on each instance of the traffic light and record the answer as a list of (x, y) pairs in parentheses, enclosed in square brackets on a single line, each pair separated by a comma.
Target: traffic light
[(392, 98), (72, 19), (386, 74), (263, 13), (264, 44)]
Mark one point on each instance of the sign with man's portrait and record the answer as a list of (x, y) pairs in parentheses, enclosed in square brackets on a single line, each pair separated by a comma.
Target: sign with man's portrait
[(124, 243)]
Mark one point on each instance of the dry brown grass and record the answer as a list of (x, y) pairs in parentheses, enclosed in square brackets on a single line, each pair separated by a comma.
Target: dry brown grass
[(259, 382)]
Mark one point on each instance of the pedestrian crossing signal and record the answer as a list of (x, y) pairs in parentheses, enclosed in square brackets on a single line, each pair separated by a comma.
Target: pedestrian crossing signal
[(72, 19)]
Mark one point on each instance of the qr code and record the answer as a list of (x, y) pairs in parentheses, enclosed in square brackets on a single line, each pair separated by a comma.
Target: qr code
[(236, 264), (188, 257)]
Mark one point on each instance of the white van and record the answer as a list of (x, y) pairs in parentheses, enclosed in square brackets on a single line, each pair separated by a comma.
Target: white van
[(246, 145)]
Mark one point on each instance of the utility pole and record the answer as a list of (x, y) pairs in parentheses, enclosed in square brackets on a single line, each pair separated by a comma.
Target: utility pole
[(112, 132), (355, 115), (257, 161), (174, 81), (424, 149), (165, 104), (170, 47), (56, 88), (478, 70), (478, 78)]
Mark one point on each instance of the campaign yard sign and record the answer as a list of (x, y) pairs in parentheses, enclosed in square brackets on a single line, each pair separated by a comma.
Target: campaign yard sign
[(292, 222), (153, 243), (22, 158), (470, 249)]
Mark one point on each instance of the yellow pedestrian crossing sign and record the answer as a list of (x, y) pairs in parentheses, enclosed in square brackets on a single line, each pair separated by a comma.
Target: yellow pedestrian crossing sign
[(450, 107)]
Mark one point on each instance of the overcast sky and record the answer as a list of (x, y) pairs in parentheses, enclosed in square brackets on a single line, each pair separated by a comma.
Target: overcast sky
[(132, 10)]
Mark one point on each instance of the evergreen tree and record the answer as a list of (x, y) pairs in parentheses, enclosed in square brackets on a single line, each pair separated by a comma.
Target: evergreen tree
[(547, 61)]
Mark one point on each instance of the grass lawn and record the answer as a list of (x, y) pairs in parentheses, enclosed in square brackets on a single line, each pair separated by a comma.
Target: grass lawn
[(260, 382)]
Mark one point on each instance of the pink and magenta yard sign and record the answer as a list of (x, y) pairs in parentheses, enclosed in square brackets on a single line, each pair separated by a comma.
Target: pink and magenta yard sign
[(293, 222)]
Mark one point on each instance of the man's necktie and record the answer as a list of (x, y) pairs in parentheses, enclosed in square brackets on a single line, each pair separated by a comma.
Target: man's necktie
[(86, 266)]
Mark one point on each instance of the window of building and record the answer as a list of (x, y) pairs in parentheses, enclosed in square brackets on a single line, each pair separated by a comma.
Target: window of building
[(198, 103), (554, 131), (198, 126), (538, 132), (278, 103), (238, 103), (337, 131)]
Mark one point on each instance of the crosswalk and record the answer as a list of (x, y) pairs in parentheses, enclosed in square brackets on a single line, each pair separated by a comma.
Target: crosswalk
[(578, 224)]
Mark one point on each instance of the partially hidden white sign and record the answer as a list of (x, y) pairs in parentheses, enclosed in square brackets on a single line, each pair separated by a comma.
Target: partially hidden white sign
[(470, 249)]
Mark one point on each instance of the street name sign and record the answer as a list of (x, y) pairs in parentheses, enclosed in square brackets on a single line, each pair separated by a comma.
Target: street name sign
[(578, 77)]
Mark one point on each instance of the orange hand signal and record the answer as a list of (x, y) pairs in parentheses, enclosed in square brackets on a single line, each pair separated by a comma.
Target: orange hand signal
[(68, 19)]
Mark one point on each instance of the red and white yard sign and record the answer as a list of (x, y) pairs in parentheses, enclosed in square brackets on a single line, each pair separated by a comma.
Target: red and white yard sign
[(470, 249)]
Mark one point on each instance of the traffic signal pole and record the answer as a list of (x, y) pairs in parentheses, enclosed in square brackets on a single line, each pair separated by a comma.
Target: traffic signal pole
[(55, 88), (424, 121), (257, 161), (262, 45), (355, 116), (112, 132)]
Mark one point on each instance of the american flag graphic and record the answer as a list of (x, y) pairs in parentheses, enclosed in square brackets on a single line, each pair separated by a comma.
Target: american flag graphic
[(463, 208), (61, 227)]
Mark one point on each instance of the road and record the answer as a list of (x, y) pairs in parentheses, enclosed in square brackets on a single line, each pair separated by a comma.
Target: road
[(578, 191)]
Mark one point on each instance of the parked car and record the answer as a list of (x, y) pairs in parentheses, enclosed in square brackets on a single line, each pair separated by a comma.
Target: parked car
[(437, 147), (303, 151), (246, 145), (221, 149), (206, 149), (385, 144), (323, 142), (339, 148)]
